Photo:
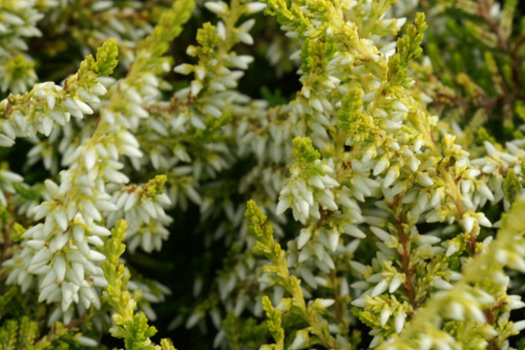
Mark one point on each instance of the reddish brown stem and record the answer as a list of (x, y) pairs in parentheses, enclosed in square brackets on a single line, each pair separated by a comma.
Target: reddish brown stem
[(489, 315), (484, 12), (405, 257), (405, 260), (337, 304)]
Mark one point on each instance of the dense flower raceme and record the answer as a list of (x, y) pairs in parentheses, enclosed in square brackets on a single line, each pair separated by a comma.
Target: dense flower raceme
[(394, 201), (142, 208), (310, 184), (62, 251)]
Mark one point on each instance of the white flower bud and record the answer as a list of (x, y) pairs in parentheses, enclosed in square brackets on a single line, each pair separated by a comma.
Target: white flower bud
[(60, 267), (183, 69), (304, 237), (255, 7), (245, 37), (333, 238), (385, 315), (361, 302), (518, 326), (380, 166), (217, 7), (354, 231), (380, 288), (96, 256), (400, 321), (84, 108), (468, 224), (325, 303), (398, 106), (358, 266), (221, 30), (196, 87), (299, 341), (390, 178), (394, 284), (85, 341), (452, 248), (424, 180), (483, 221), (381, 234), (428, 239), (441, 284), (486, 192)]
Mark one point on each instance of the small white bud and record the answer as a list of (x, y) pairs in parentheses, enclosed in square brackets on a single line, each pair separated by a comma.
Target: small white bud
[(428, 239), (468, 224), (385, 315), (398, 106), (483, 221), (217, 7), (358, 266), (183, 69), (196, 87), (400, 321), (333, 238), (491, 150), (325, 303), (452, 248), (394, 284), (51, 101), (441, 284), (221, 30), (245, 37), (299, 342), (354, 231), (255, 7), (380, 166), (380, 288), (84, 108), (424, 180), (283, 204), (304, 237), (486, 192), (96, 256), (390, 178), (381, 234), (361, 302), (84, 341)]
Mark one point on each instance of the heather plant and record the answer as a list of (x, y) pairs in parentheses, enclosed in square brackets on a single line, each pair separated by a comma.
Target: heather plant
[(303, 174)]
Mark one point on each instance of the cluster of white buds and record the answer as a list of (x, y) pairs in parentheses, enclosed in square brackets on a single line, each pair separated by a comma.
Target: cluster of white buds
[(142, 208), (62, 251), (498, 173), (210, 95), (60, 104), (170, 145), (7, 179), (218, 74), (310, 184), (19, 19), (115, 21)]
